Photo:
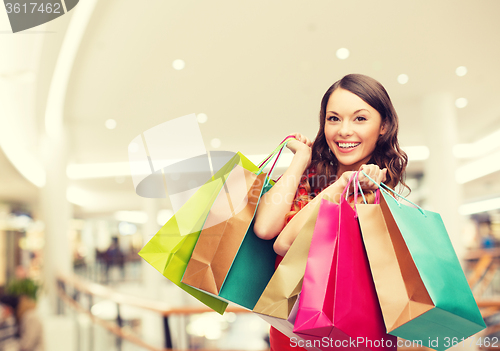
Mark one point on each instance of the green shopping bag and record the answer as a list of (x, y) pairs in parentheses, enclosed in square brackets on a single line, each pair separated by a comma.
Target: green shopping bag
[(169, 250), (455, 315)]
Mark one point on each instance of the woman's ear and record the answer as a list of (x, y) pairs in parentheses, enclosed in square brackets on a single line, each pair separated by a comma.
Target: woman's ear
[(383, 129)]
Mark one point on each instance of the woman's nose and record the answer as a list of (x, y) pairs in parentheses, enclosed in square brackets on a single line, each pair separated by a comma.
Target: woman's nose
[(345, 129)]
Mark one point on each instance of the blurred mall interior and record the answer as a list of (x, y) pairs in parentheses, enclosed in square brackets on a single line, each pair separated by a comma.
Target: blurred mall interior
[(75, 92)]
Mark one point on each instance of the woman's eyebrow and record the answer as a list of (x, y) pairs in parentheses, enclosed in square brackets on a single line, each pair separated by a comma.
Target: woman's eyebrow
[(355, 112)]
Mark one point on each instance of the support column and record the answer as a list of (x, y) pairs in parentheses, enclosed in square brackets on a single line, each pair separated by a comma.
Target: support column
[(442, 192), (56, 213)]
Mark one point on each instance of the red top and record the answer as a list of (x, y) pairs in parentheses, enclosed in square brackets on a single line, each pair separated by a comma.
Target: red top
[(279, 341)]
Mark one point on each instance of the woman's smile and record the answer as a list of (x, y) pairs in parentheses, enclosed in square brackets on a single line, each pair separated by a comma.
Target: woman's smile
[(347, 146)]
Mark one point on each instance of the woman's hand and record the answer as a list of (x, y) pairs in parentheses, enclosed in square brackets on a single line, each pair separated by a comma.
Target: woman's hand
[(301, 145), (373, 171)]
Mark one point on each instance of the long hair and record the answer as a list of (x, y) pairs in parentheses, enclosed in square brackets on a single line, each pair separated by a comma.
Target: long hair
[(387, 153)]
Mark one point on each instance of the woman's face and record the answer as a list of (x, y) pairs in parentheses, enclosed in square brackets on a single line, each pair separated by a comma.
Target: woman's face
[(352, 128)]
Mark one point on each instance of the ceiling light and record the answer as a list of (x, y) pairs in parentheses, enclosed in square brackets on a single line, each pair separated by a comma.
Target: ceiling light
[(178, 64), (201, 118), (480, 206), (110, 123), (342, 53), (126, 228), (477, 169), (402, 79), (215, 143), (416, 153), (461, 71), (461, 102), (479, 147), (139, 217), (98, 170)]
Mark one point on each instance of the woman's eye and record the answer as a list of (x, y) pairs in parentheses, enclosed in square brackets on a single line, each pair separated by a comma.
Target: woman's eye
[(360, 118), (333, 118)]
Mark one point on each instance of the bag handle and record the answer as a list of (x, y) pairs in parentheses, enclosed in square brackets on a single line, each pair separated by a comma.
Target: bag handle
[(358, 186), (348, 186), (353, 178), (377, 193), (381, 186), (275, 150), (276, 153)]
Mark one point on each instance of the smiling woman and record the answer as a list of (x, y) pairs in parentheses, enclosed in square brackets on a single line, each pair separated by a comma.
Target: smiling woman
[(351, 134), (358, 130)]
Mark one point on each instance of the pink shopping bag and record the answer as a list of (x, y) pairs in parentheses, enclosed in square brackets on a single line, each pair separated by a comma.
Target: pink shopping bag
[(339, 306)]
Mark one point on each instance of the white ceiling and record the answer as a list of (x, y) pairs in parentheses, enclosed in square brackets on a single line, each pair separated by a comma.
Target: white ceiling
[(258, 69)]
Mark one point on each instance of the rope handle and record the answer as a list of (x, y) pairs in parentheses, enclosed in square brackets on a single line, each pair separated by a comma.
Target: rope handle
[(277, 153), (377, 193), (354, 178), (275, 150), (381, 186)]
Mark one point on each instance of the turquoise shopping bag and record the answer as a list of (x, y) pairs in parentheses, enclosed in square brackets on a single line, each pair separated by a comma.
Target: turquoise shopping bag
[(455, 315), (251, 270)]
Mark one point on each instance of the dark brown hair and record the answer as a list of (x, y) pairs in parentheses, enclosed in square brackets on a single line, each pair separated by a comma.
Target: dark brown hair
[(387, 153)]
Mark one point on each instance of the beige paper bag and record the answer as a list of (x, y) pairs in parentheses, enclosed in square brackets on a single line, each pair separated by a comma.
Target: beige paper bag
[(400, 290), (281, 292)]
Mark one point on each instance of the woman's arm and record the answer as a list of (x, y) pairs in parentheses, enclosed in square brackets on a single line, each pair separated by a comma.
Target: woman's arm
[(276, 203)]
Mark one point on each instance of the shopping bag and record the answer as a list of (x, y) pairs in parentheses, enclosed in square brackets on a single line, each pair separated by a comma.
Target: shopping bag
[(224, 230), (280, 294), (279, 302), (228, 253), (422, 289), (401, 291), (339, 306), (169, 250), (251, 270), (318, 287)]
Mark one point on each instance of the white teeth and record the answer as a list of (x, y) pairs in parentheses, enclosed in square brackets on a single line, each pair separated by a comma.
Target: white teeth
[(347, 145)]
